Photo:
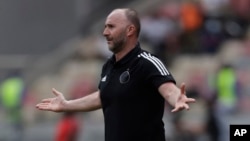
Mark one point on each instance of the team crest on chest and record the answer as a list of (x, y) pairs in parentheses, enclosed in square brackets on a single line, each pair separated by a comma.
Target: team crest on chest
[(124, 77)]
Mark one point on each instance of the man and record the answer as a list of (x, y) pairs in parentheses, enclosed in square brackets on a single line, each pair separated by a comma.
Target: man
[(132, 89)]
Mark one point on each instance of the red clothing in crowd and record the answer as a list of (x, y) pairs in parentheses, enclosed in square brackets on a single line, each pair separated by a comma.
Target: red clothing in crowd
[(67, 128)]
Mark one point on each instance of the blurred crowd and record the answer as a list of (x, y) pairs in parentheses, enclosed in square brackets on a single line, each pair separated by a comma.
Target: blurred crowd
[(194, 27), (205, 43)]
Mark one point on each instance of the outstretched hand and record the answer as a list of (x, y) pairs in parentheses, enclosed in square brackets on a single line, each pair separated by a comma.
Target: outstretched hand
[(183, 100), (55, 104)]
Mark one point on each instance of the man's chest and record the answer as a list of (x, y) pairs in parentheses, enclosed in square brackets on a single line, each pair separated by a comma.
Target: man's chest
[(121, 84)]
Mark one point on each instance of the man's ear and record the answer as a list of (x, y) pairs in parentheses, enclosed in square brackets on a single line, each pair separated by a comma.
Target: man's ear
[(130, 30)]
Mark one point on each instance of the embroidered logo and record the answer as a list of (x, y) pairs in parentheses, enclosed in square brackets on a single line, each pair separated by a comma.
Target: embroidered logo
[(124, 77), (104, 78)]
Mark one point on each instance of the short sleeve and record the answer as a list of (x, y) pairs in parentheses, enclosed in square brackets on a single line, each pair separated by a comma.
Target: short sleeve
[(104, 68), (155, 71)]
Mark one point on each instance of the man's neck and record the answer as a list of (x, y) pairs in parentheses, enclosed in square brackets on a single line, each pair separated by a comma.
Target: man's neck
[(125, 51)]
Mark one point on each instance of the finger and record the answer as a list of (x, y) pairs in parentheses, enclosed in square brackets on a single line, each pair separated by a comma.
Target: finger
[(179, 108), (41, 105), (46, 107), (190, 100), (186, 106), (37, 105), (55, 92), (183, 88), (175, 110), (48, 100)]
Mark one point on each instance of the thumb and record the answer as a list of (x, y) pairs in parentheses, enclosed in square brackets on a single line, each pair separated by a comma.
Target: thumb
[(183, 88), (55, 92)]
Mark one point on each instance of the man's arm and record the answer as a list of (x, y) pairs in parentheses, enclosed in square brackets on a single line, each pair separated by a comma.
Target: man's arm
[(60, 104), (175, 96)]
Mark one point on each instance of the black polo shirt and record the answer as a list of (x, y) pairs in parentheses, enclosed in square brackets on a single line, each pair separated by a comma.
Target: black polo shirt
[(132, 106)]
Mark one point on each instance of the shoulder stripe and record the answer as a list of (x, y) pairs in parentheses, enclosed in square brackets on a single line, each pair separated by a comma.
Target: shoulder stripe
[(157, 63), (163, 66), (162, 73)]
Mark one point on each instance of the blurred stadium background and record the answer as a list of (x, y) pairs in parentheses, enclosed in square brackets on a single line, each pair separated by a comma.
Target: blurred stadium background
[(59, 44)]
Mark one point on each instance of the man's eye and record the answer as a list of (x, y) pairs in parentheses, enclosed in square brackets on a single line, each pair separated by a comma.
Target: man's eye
[(110, 26)]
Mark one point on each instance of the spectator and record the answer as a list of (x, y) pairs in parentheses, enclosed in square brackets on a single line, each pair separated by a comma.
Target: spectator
[(67, 128), (12, 93), (226, 90)]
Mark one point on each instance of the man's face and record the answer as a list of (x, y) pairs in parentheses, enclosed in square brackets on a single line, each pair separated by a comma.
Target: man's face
[(115, 31)]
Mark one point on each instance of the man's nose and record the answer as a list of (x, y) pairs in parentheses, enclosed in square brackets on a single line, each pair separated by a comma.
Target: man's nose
[(105, 32)]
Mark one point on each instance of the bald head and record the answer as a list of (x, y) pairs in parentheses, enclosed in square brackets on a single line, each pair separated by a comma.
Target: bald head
[(128, 15)]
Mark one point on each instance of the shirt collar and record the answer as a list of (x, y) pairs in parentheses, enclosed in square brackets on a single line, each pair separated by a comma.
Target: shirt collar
[(130, 55)]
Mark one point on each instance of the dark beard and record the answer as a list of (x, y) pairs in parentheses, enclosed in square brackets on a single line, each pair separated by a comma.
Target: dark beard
[(118, 45)]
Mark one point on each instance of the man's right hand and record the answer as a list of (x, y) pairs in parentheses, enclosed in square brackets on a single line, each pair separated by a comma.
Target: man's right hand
[(55, 104)]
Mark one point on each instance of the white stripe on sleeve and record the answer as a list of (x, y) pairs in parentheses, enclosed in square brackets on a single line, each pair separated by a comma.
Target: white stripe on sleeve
[(157, 63)]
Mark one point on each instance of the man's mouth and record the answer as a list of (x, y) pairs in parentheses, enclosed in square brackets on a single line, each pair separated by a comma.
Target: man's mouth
[(109, 41)]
